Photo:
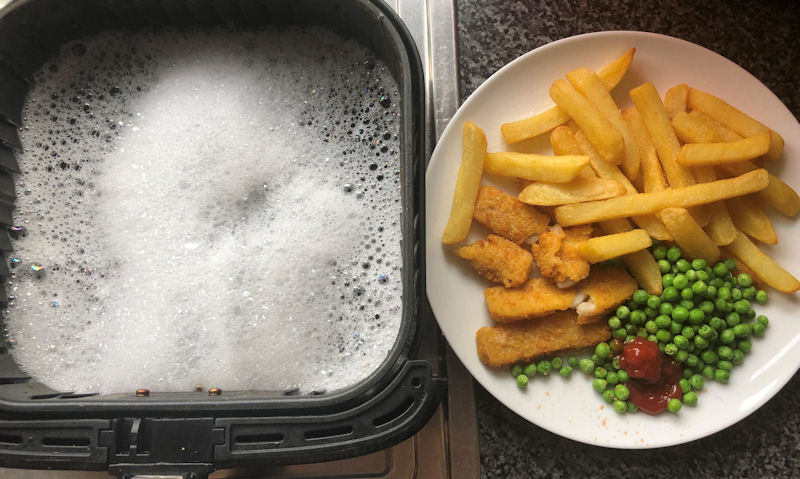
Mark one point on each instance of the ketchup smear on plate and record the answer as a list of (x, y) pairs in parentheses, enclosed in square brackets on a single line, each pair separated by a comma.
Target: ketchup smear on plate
[(654, 380)]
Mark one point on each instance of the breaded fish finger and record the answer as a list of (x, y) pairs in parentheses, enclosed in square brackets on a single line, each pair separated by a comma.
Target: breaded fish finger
[(499, 260), (537, 297), (557, 257), (605, 289), (506, 344), (508, 217)]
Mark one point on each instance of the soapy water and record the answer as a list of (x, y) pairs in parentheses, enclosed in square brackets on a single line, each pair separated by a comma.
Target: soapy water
[(213, 209)]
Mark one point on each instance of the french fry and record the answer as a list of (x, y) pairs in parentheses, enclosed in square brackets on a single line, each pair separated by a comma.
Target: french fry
[(467, 184), (675, 99), (777, 194), (750, 218), (720, 228), (763, 267), (734, 119), (601, 248), (641, 264), (529, 166), (691, 129), (695, 154), (652, 174), (608, 171), (592, 88), (723, 132), (563, 141), (689, 235), (655, 118), (646, 203), (576, 191), (519, 130), (605, 138)]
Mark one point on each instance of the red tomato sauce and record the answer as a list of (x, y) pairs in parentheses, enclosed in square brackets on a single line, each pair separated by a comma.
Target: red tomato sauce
[(654, 381)]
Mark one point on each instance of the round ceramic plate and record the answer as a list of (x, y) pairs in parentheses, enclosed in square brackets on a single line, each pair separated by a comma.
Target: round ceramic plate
[(570, 407)]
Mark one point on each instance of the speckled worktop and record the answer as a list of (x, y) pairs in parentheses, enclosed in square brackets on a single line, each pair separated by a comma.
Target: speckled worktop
[(762, 37)]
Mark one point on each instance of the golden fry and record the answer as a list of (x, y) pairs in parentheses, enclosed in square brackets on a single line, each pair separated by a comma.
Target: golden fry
[(689, 235), (763, 267), (734, 119), (696, 154), (750, 218), (675, 99), (519, 130), (506, 344), (691, 129), (601, 133), (720, 228), (641, 264), (507, 216), (655, 118), (601, 248), (576, 191), (467, 184), (644, 203), (652, 174), (777, 194), (723, 132), (592, 88), (529, 166)]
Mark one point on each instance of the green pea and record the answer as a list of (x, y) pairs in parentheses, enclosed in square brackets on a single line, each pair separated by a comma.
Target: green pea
[(674, 254), (675, 327), (725, 352), (727, 336), (691, 275), (653, 302), (632, 407), (663, 336), (685, 385), (682, 265), (733, 319), (516, 370), (723, 293), (664, 266), (670, 349), (699, 263), (708, 372), (623, 312), (738, 356), (652, 338), (705, 331), (697, 382), (699, 287), (741, 306), (674, 405), (600, 372), (622, 375), (700, 342), (763, 320), (687, 293), (670, 293), (651, 327), (687, 332), (736, 294), (758, 330), (621, 392), (751, 314), (715, 282), (681, 356), (709, 357), (599, 384), (749, 292), (614, 322), (522, 380), (544, 367), (650, 312), (565, 371), (681, 342), (706, 307), (665, 308), (744, 345), (663, 321), (620, 333), (690, 398), (692, 360), (619, 406), (744, 280), (730, 263), (721, 375), (640, 297), (725, 365), (721, 305), (530, 370), (720, 269), (680, 281), (711, 292), (666, 280), (608, 395), (761, 296), (696, 316), (638, 317), (612, 378), (659, 252), (741, 330), (717, 323), (680, 314)]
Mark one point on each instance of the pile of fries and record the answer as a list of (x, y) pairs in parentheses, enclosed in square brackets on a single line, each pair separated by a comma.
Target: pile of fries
[(687, 169)]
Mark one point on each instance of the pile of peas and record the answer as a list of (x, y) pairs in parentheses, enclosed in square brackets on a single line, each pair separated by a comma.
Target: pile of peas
[(703, 320)]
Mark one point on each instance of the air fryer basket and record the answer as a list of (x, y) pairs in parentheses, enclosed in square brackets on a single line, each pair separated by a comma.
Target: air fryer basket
[(195, 433)]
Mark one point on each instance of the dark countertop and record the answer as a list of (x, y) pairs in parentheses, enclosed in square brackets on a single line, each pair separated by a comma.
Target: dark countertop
[(762, 37)]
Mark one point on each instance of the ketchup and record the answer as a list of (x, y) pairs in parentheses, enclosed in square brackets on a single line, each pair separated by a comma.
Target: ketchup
[(654, 381)]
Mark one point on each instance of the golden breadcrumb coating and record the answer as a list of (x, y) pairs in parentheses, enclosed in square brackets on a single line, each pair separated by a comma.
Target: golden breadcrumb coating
[(508, 217), (537, 297), (556, 256), (499, 260), (606, 288)]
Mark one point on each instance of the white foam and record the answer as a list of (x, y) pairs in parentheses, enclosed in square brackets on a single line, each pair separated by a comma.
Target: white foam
[(212, 208)]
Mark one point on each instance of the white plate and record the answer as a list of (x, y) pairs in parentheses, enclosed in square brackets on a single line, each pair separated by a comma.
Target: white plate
[(570, 407)]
